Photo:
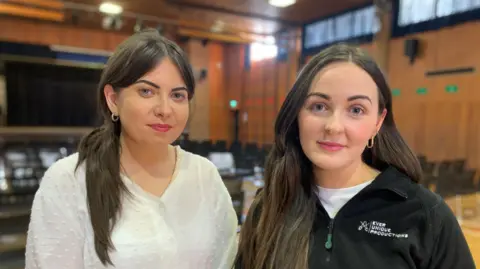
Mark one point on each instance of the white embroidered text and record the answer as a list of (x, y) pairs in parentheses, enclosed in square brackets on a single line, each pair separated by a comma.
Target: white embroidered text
[(379, 228)]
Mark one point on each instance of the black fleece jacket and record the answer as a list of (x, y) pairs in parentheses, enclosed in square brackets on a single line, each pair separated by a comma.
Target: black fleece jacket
[(393, 223)]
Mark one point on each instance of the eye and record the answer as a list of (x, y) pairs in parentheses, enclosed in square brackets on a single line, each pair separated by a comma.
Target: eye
[(179, 96), (357, 110), (318, 107), (145, 92)]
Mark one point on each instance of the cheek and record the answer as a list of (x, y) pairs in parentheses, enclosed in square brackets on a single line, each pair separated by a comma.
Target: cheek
[(181, 112), (309, 126), (359, 132), (135, 111)]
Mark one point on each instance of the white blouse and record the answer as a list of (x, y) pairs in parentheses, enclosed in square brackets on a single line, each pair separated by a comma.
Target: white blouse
[(192, 225)]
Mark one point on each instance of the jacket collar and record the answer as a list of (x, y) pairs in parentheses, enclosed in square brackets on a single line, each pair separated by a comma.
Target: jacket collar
[(391, 179)]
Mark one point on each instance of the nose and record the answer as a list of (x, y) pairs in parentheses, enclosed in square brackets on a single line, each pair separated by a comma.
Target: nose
[(334, 123), (163, 107)]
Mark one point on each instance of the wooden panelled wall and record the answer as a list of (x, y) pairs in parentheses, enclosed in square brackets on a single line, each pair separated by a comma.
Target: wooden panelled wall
[(438, 124), (45, 33), (258, 89)]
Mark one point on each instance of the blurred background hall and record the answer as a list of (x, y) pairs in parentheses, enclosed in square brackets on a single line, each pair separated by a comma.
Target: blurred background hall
[(245, 55)]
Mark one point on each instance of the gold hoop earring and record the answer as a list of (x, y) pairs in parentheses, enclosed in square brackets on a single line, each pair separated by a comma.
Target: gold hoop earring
[(115, 117), (370, 142)]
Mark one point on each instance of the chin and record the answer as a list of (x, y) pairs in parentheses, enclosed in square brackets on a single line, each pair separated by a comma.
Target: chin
[(164, 140), (325, 162), (159, 139)]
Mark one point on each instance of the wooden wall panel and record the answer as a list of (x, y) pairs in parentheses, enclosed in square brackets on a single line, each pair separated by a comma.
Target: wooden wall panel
[(440, 125), (283, 84), (199, 123), (260, 91), (219, 106), (45, 33), (269, 105), (234, 74)]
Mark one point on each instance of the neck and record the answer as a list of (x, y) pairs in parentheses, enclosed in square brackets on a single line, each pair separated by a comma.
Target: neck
[(353, 175), (143, 156)]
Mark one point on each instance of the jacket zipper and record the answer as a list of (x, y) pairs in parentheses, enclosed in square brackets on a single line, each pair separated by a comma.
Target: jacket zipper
[(329, 241)]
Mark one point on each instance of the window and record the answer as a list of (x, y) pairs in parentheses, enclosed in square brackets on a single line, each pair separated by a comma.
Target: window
[(330, 31), (354, 24), (312, 39), (344, 26), (414, 11), (358, 23), (405, 12), (372, 24), (475, 4), (423, 10), (262, 51), (450, 7), (314, 35), (444, 8), (462, 6)]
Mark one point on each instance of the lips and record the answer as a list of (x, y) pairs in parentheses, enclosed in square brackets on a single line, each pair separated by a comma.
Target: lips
[(330, 146), (160, 127)]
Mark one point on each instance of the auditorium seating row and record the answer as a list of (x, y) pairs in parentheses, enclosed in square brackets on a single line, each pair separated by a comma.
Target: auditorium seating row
[(22, 165), (246, 155), (449, 178)]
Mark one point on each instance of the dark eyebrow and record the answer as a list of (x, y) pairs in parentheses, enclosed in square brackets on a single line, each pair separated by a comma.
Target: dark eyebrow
[(182, 88), (147, 82), (351, 98), (356, 97), (322, 95)]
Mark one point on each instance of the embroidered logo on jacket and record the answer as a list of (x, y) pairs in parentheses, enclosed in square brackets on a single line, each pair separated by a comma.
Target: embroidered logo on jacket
[(379, 228)]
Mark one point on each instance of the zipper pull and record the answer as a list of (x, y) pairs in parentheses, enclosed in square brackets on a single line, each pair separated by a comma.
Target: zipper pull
[(329, 243)]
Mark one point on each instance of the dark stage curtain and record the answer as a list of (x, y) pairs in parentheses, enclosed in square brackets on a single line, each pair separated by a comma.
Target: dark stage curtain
[(50, 95)]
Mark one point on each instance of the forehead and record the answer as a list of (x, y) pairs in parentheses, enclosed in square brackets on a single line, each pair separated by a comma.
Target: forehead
[(344, 79), (165, 72)]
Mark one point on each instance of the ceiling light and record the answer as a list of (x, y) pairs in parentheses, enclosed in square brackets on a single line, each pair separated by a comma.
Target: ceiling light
[(218, 26), (281, 3), (110, 8), (270, 40)]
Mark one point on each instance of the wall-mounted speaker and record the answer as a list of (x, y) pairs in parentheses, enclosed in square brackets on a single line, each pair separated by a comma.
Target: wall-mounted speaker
[(203, 74), (411, 49)]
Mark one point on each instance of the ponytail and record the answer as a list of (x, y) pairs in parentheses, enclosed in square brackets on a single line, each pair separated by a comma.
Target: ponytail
[(100, 151)]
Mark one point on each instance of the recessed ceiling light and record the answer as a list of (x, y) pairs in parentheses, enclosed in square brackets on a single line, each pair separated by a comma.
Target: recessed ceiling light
[(281, 3), (110, 8)]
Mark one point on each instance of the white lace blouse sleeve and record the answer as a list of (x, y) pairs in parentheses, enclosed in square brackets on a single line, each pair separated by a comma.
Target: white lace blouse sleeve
[(55, 234), (227, 221)]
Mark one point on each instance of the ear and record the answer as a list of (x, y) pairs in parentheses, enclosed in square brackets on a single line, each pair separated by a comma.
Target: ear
[(111, 98), (380, 120)]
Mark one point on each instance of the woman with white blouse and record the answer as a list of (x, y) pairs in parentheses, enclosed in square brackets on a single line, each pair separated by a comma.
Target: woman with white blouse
[(128, 199)]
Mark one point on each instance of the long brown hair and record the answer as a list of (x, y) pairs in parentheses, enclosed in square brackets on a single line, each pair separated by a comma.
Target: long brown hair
[(100, 150), (276, 233)]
